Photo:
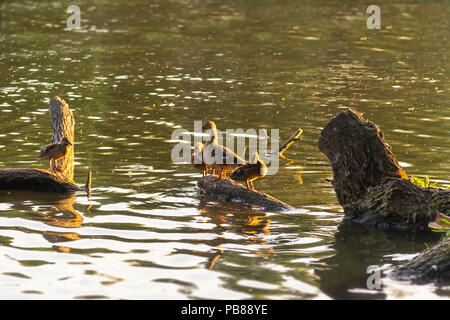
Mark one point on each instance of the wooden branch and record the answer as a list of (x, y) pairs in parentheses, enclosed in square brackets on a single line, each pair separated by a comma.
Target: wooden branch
[(369, 183), (287, 144), (60, 176), (291, 140), (230, 191)]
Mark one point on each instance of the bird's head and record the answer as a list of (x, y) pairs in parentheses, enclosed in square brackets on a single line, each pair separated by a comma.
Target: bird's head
[(66, 142), (209, 125)]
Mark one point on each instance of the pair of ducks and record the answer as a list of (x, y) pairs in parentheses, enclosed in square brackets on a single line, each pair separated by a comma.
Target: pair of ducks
[(241, 170), (55, 151)]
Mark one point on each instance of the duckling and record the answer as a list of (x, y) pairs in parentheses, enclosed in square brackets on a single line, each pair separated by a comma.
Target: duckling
[(197, 158), (250, 171), (55, 151), (227, 159)]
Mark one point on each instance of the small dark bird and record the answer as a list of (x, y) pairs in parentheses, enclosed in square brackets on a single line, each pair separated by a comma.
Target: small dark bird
[(250, 171), (55, 151)]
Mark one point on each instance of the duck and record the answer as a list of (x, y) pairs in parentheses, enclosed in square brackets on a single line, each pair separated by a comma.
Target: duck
[(55, 151), (228, 160), (197, 158), (250, 171)]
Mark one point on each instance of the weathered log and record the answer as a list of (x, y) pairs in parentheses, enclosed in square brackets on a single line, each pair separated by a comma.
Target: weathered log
[(369, 183), (60, 176), (35, 180), (431, 265), (230, 191)]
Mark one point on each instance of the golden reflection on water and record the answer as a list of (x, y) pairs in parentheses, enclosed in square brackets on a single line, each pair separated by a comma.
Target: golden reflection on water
[(246, 222), (50, 209)]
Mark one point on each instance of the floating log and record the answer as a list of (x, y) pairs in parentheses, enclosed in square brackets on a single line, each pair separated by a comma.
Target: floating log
[(230, 191), (371, 186), (59, 178)]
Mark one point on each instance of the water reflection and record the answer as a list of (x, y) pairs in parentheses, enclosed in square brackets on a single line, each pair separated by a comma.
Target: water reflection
[(51, 209)]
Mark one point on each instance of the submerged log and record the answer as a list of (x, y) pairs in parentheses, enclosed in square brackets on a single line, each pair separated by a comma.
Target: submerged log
[(59, 178), (431, 265), (369, 183), (230, 191)]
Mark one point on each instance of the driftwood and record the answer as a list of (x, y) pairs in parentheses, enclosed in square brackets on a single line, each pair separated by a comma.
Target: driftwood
[(59, 178), (227, 190), (230, 191), (369, 183)]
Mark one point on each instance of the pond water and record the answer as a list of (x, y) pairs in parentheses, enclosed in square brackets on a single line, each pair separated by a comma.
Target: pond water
[(137, 70)]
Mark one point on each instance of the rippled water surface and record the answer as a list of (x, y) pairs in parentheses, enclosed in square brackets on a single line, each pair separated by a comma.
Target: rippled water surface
[(137, 70)]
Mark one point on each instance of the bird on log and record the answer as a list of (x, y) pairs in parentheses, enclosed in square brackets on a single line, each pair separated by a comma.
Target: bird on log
[(197, 158), (250, 171), (218, 157), (55, 151)]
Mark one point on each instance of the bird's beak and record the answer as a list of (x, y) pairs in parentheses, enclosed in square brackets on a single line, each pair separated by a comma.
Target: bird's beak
[(205, 126), (70, 143)]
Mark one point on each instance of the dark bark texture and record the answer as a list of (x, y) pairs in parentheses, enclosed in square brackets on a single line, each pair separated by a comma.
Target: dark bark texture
[(432, 265), (230, 191)]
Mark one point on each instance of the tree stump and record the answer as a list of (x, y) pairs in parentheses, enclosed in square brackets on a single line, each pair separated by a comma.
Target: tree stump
[(369, 183), (59, 178)]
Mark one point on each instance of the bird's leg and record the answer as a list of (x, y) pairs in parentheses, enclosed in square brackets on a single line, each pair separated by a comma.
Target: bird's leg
[(248, 185), (220, 175), (251, 184)]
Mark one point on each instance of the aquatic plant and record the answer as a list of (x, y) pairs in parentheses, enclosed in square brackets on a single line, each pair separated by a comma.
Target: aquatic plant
[(425, 183)]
